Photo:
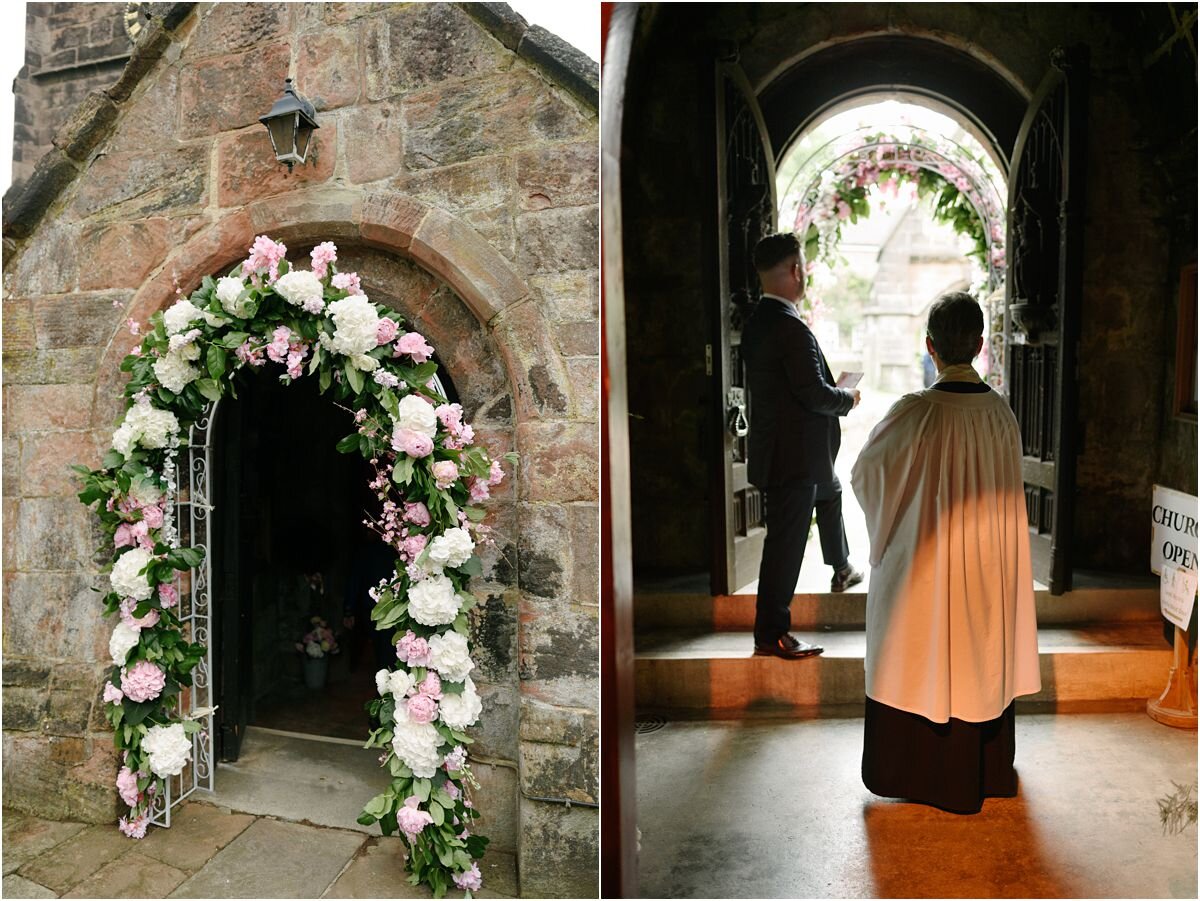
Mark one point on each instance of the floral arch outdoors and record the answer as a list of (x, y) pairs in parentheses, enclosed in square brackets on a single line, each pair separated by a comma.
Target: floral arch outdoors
[(833, 183)]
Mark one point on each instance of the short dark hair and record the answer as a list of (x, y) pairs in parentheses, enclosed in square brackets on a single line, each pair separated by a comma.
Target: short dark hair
[(772, 250), (955, 326)]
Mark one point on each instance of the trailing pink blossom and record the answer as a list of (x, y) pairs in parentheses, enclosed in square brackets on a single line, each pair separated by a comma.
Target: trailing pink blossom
[(250, 355), (451, 789), (277, 350), (295, 360), (167, 595), (496, 474), (141, 622), (411, 819), (456, 759), (478, 489), (348, 282), (127, 787), (322, 255), (385, 378), (471, 880), (265, 254), (135, 827), (112, 695)]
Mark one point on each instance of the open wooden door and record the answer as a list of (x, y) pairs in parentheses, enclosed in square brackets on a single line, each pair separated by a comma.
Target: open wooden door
[(1043, 299), (746, 212)]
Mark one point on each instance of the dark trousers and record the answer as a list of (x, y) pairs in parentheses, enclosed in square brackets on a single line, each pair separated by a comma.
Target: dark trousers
[(789, 509)]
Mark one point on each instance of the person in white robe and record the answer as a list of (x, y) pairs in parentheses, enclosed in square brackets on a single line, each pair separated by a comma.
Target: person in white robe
[(951, 627)]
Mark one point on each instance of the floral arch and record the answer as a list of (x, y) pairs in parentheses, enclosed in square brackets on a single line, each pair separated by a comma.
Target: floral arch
[(429, 477), (832, 186)]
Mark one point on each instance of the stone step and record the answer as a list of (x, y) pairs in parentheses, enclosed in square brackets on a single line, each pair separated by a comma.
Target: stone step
[(655, 611), (1105, 666)]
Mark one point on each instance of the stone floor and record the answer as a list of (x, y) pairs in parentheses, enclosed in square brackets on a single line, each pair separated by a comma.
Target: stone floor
[(770, 809), (212, 852)]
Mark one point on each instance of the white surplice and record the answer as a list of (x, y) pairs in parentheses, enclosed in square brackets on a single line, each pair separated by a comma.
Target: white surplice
[(951, 626)]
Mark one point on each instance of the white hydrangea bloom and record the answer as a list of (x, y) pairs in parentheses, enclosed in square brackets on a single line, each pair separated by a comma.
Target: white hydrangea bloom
[(169, 748), (173, 371), (145, 425), (453, 547), (448, 654), (124, 639), (229, 289), (462, 710), (180, 315), (124, 576), (356, 324), (433, 601), (302, 289), (418, 745), (417, 414), (364, 363)]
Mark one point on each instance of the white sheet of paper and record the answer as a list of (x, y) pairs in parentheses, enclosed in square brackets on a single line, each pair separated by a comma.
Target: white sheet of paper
[(1177, 594), (849, 379)]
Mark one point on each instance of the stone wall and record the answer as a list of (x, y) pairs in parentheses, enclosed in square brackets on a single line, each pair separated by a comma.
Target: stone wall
[(71, 49), (1139, 228), (462, 179)]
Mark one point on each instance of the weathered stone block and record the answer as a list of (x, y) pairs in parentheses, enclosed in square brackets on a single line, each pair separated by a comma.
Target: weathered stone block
[(135, 185), (25, 673), (585, 541), (559, 461), (423, 44), (476, 185), (122, 254), (231, 28), (578, 339), (585, 386), (561, 771), (447, 125), (230, 92), (557, 240), (54, 615), (151, 43), (152, 118), (53, 172), (34, 782), (131, 876), (248, 170), (566, 64), (76, 320), (374, 148), (90, 124), (68, 713), (197, 832), (464, 346), (559, 853), (24, 708), (390, 221), (544, 562), (495, 647), (328, 67), (533, 362), (17, 327), (48, 265), (559, 652), (561, 175), (498, 227), (496, 800), (46, 460), (54, 535), (495, 734)]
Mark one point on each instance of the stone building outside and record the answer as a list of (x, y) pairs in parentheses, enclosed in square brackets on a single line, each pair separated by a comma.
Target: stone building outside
[(456, 169)]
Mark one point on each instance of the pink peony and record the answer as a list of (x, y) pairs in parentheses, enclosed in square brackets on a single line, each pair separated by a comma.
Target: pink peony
[(411, 819), (127, 786), (141, 622), (322, 255), (413, 545), (471, 880), (134, 828), (144, 682), (413, 650), (112, 695), (167, 596), (496, 475), (416, 513), (450, 416), (141, 534), (445, 473), (452, 790), (415, 346), (456, 759), (124, 536), (422, 709), (348, 282), (479, 490), (386, 331), (265, 254), (431, 685), (153, 516), (412, 443)]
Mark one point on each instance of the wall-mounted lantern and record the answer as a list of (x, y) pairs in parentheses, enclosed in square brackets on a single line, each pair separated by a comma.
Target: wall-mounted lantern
[(290, 124)]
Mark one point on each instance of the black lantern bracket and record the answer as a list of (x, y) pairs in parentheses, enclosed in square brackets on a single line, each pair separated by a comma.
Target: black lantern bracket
[(290, 124)]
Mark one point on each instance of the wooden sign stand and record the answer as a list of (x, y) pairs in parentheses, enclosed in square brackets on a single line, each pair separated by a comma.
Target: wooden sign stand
[(1176, 706)]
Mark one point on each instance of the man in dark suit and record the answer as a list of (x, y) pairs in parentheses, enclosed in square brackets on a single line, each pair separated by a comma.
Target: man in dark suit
[(794, 439)]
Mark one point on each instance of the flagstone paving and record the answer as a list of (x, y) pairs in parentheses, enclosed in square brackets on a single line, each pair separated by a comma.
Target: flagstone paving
[(213, 852)]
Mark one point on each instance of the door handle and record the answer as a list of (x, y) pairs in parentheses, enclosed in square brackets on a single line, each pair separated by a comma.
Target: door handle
[(736, 422)]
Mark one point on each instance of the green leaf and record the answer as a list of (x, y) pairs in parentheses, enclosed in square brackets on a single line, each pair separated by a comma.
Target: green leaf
[(135, 712), (354, 377), (421, 789), (112, 459), (326, 379), (210, 388), (377, 806), (473, 566), (439, 815), (349, 444), (402, 472), (366, 819)]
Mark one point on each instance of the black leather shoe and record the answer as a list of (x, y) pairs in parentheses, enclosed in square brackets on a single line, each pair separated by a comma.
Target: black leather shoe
[(845, 578), (787, 647)]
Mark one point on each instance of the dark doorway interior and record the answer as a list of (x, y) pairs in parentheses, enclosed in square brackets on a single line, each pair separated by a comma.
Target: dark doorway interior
[(287, 536)]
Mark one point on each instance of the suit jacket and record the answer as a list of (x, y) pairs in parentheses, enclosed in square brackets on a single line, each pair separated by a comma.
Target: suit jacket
[(794, 404)]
